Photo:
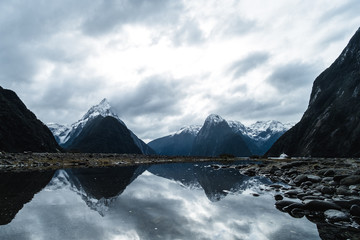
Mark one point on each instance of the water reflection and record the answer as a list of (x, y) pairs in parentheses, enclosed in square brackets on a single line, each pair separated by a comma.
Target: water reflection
[(18, 188), (174, 201)]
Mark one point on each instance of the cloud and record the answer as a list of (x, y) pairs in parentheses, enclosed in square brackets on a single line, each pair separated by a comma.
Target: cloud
[(348, 10), (236, 25), (188, 33), (252, 61), (107, 16), (157, 95), (293, 75)]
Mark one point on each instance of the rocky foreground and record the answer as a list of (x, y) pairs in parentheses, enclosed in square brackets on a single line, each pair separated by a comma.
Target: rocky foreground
[(325, 191)]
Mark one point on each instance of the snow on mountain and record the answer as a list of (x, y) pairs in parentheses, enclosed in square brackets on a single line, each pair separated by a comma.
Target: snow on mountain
[(191, 129), (213, 119), (64, 135), (59, 131), (261, 130)]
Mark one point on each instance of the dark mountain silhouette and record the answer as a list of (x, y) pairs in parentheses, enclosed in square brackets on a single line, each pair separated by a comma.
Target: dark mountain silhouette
[(18, 188), (178, 144), (66, 135), (105, 135), (216, 138), (330, 127), (20, 130)]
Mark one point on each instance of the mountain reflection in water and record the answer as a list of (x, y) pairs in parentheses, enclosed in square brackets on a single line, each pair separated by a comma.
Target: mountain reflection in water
[(167, 201)]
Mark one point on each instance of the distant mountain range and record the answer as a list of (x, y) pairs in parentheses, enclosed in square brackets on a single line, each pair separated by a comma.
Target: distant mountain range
[(99, 130), (218, 136), (330, 127)]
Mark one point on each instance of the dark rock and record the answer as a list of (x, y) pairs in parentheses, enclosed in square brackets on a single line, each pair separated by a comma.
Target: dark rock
[(300, 179), (343, 190), (291, 193), (317, 205), (335, 215), (278, 197), (355, 210), (283, 203), (297, 213), (326, 179), (350, 180), (292, 206), (313, 178), (347, 203), (327, 190), (329, 173), (337, 178)]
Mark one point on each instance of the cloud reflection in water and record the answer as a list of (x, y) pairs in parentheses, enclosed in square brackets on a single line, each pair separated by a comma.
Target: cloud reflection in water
[(153, 207)]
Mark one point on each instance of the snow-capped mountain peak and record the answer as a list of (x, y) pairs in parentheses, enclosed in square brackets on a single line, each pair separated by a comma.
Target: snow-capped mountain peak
[(102, 109), (191, 129), (213, 119)]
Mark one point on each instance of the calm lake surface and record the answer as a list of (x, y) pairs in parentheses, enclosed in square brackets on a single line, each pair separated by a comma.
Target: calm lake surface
[(167, 201)]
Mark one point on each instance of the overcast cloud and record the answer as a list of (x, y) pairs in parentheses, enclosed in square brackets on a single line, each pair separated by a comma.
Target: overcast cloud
[(164, 64)]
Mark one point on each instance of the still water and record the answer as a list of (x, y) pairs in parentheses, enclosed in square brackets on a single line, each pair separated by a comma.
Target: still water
[(167, 201)]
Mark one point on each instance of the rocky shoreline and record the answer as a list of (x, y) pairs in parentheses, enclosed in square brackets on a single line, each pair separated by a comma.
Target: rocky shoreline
[(325, 191)]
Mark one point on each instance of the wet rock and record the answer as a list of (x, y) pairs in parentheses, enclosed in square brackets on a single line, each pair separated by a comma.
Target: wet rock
[(300, 179), (273, 169), (278, 197), (255, 195), (350, 180), (343, 190), (297, 213), (335, 215), (313, 178), (250, 172), (326, 179), (292, 206), (347, 203), (277, 186), (355, 210), (327, 190), (291, 192), (318, 205), (329, 173), (337, 178), (283, 203)]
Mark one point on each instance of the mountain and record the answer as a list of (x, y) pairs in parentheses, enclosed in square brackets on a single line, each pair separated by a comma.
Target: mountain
[(330, 127), (177, 144), (65, 135), (104, 135), (261, 135), (258, 137), (20, 130), (98, 187), (17, 189), (216, 137)]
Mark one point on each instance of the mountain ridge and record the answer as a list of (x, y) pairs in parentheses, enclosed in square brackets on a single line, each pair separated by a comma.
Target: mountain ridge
[(330, 126)]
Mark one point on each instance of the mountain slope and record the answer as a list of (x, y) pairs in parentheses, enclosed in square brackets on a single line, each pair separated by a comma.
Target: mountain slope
[(20, 130), (261, 135), (105, 135), (216, 138), (177, 144), (65, 135), (330, 127)]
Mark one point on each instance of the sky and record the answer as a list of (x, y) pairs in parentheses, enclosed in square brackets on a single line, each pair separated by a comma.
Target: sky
[(164, 64)]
